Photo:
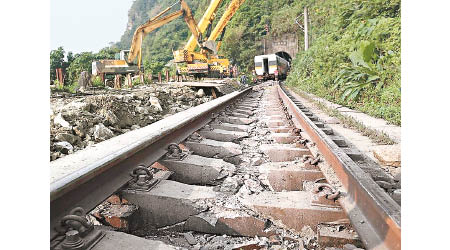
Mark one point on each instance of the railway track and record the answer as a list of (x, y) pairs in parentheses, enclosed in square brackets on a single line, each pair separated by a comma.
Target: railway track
[(249, 170)]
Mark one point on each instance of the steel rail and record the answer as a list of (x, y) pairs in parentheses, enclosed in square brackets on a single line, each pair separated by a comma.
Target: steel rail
[(373, 213), (92, 184)]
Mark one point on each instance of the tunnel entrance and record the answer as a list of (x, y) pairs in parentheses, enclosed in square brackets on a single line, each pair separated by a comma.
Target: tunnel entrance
[(284, 55)]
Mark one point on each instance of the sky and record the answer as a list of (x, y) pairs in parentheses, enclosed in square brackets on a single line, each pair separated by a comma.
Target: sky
[(87, 25)]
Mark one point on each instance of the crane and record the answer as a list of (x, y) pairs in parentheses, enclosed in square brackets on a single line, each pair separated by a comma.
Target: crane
[(207, 61)]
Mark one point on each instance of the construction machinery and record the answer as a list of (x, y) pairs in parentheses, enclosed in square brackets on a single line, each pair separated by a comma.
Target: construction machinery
[(203, 63), (207, 62), (126, 63), (119, 66)]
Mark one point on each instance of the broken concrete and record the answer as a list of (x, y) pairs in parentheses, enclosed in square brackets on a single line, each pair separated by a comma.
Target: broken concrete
[(223, 135), (227, 151), (292, 208), (282, 152), (195, 169), (119, 241), (288, 176), (227, 222), (180, 198)]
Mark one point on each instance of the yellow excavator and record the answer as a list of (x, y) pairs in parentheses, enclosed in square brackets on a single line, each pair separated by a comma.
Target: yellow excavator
[(125, 64), (207, 62), (203, 63)]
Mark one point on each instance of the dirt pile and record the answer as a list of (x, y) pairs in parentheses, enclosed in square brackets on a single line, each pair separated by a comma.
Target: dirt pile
[(78, 121)]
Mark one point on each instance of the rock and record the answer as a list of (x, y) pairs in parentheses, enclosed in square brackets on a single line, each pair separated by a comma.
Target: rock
[(142, 110), (385, 185), (200, 93), (397, 196), (102, 133), (331, 120), (244, 190), (54, 156), (349, 247), (109, 116), (64, 147), (155, 103), (397, 174), (72, 139), (127, 98), (389, 155), (61, 122), (80, 131), (231, 184), (190, 238), (135, 127), (257, 162), (253, 186)]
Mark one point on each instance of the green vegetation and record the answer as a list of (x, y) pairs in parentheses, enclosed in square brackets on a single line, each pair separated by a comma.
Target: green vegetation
[(73, 65), (349, 122), (97, 82), (354, 56)]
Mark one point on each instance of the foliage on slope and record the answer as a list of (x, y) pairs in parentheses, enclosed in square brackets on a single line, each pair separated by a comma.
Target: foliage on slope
[(354, 56), (246, 30)]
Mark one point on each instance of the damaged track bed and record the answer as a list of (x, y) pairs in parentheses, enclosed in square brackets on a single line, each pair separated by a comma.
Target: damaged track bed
[(249, 170)]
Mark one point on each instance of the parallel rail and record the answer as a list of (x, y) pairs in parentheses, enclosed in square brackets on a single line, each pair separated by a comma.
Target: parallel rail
[(373, 213)]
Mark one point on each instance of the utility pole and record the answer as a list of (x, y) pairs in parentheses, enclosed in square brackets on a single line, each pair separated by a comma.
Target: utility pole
[(305, 25), (264, 41)]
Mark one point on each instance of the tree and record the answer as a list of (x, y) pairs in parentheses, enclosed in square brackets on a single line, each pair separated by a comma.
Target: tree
[(107, 53), (81, 62), (56, 61)]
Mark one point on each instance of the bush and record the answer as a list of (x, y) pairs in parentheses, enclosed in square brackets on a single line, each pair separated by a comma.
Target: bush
[(97, 82), (354, 57)]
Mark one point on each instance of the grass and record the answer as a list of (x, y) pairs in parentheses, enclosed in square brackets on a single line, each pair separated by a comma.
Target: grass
[(349, 122), (66, 88)]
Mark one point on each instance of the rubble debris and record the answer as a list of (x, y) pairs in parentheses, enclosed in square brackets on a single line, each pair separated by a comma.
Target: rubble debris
[(102, 133), (84, 119), (64, 147)]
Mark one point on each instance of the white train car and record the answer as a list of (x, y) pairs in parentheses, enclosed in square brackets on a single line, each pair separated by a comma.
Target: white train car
[(265, 66)]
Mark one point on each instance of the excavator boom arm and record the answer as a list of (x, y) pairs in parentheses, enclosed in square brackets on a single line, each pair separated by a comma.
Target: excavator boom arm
[(226, 17), (141, 31), (203, 23), (158, 21)]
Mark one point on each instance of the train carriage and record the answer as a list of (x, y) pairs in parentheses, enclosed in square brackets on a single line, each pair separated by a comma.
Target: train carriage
[(265, 66)]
